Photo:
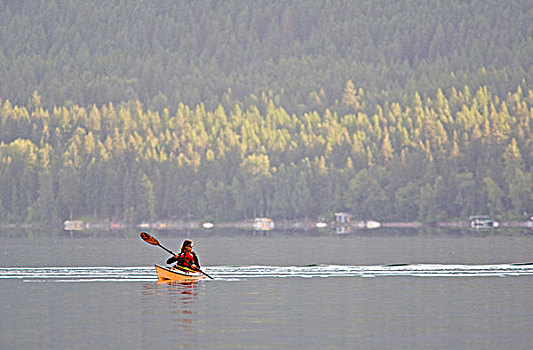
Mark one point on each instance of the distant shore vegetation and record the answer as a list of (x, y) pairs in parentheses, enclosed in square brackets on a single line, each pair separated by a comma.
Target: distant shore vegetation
[(433, 159)]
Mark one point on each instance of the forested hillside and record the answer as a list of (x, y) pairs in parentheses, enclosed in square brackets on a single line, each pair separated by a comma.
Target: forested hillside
[(432, 159), (391, 110), (301, 53)]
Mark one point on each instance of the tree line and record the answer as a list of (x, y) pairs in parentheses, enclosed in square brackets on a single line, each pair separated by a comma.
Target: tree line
[(436, 158)]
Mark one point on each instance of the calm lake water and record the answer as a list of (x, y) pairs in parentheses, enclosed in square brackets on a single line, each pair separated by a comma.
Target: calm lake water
[(315, 290)]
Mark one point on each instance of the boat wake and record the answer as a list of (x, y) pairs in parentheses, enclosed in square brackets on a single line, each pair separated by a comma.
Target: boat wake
[(237, 273), (79, 274), (416, 270)]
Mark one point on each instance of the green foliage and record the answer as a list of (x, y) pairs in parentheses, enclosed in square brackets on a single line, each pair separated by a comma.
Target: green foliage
[(419, 161), (343, 55)]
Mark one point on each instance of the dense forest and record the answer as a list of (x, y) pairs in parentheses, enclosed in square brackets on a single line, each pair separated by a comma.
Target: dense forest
[(432, 159), (226, 110), (300, 53)]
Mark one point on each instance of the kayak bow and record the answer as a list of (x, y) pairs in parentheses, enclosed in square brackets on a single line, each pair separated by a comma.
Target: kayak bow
[(176, 274)]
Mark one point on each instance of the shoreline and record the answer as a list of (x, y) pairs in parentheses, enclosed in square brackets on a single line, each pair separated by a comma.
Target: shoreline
[(289, 225)]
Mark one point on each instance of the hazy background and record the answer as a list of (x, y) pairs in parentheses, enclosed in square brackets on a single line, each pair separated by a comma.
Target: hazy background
[(121, 112)]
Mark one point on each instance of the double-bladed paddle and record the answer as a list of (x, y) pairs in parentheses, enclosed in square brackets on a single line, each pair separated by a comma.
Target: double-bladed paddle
[(151, 240)]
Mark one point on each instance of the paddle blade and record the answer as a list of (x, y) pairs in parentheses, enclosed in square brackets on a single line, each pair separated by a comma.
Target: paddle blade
[(149, 239)]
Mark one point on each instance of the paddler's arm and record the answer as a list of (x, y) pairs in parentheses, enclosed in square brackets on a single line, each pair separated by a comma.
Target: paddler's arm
[(172, 259)]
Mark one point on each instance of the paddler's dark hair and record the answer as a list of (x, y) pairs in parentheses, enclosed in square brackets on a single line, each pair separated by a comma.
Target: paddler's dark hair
[(186, 243)]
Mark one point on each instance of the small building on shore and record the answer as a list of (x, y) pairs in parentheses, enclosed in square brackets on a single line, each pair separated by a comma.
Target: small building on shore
[(342, 218), (74, 225), (263, 224)]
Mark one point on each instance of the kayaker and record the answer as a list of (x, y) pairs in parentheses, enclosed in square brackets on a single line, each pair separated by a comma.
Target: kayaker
[(186, 257)]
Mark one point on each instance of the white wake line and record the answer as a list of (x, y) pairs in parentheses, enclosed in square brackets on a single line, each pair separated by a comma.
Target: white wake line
[(380, 268), (147, 273)]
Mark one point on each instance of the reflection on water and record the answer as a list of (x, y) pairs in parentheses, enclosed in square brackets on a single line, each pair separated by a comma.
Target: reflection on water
[(127, 233), (178, 300)]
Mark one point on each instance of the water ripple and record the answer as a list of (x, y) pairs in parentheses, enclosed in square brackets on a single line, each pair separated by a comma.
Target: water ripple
[(228, 273)]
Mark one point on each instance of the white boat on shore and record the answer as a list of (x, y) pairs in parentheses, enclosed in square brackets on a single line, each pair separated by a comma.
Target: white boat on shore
[(482, 222)]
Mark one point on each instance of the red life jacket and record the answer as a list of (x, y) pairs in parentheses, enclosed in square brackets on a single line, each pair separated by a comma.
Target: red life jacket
[(185, 259)]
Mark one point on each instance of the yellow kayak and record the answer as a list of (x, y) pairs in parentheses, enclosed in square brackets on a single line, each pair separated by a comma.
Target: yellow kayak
[(177, 274)]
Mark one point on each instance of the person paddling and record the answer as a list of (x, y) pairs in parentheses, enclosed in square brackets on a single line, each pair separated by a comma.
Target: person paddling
[(186, 258)]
